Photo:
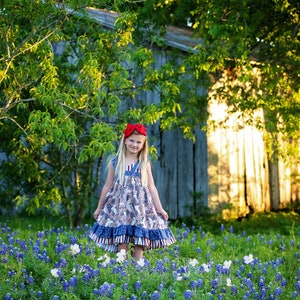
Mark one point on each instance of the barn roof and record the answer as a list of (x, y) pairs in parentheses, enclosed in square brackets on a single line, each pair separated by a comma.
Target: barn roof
[(176, 37)]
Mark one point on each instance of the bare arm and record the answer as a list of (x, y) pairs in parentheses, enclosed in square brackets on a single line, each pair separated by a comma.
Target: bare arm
[(154, 193), (107, 185)]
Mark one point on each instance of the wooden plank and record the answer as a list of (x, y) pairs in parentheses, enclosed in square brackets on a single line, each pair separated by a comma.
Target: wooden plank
[(201, 167), (185, 175)]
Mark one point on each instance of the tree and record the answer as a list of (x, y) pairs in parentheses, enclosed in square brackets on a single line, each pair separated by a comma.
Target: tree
[(67, 87), (257, 44)]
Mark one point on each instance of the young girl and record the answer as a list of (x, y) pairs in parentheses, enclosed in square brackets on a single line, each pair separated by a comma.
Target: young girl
[(129, 208)]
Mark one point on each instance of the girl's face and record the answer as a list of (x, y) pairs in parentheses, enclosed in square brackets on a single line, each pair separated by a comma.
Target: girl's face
[(135, 143)]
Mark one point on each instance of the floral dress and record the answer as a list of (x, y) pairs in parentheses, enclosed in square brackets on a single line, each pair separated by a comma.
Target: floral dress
[(129, 216)]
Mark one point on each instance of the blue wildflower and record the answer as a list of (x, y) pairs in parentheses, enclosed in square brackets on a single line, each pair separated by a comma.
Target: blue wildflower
[(30, 280), (137, 285), (278, 291), (155, 295), (39, 294), (298, 286), (172, 294), (188, 294)]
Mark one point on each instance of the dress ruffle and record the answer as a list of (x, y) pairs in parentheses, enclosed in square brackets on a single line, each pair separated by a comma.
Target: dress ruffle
[(108, 238)]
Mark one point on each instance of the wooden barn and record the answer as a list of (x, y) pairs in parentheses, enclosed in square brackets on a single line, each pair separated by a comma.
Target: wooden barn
[(226, 169)]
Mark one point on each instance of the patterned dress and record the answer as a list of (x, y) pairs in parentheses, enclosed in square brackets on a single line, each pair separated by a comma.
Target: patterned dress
[(129, 216)]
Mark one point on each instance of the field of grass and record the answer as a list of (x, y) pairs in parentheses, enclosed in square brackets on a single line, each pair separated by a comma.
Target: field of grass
[(254, 258)]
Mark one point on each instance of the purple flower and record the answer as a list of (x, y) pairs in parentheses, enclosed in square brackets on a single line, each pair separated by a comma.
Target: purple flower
[(277, 291), (8, 297), (214, 283), (222, 227), (137, 285), (155, 295), (172, 294), (188, 294), (30, 280), (298, 286), (39, 294), (66, 285)]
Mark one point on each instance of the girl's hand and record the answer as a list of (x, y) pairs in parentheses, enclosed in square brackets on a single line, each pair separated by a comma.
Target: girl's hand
[(164, 214), (96, 213)]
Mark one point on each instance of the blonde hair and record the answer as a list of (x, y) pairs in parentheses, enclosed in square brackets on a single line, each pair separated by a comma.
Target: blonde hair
[(142, 157)]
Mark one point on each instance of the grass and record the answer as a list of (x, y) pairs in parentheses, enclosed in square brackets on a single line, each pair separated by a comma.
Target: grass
[(253, 258)]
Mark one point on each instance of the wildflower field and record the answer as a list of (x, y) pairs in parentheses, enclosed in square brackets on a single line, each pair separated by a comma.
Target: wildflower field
[(55, 262)]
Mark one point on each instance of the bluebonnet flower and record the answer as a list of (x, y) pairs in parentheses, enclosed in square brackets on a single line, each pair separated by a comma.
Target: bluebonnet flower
[(193, 240), (283, 282), (66, 285), (222, 227), (144, 295), (39, 294), (137, 285), (154, 296), (30, 280), (22, 286), (161, 287), (188, 294), (278, 291), (172, 294), (214, 283), (295, 294), (73, 281), (8, 297), (278, 276), (40, 234)]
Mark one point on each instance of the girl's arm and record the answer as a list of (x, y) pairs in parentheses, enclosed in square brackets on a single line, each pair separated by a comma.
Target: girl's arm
[(107, 185), (154, 193)]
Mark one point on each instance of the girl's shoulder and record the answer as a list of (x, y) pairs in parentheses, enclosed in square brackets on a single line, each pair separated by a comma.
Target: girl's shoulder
[(114, 161)]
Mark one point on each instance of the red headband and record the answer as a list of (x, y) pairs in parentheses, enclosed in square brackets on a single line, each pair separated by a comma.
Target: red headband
[(130, 128)]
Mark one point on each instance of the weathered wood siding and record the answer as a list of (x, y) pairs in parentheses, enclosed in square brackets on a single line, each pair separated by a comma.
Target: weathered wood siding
[(226, 169)]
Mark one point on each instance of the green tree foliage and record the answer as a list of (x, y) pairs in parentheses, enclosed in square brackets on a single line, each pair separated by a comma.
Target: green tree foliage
[(61, 114), (256, 44)]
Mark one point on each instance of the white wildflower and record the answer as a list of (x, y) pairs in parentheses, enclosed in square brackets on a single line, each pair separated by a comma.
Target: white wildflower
[(54, 272), (193, 262), (121, 256), (179, 277), (141, 262), (75, 249), (227, 264), (206, 268), (248, 259), (106, 259), (228, 282)]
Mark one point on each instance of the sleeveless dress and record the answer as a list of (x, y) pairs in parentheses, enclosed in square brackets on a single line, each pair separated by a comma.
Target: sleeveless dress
[(129, 216)]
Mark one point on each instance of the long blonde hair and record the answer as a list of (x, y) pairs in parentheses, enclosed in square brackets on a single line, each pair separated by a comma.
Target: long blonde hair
[(142, 157)]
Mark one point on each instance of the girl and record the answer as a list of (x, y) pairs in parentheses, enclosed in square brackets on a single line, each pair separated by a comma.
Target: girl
[(129, 208)]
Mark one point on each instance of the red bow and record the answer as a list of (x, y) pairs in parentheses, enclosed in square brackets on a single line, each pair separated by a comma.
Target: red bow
[(130, 128)]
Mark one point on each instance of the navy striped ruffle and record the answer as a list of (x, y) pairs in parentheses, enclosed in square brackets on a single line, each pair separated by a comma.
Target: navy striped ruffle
[(108, 238)]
